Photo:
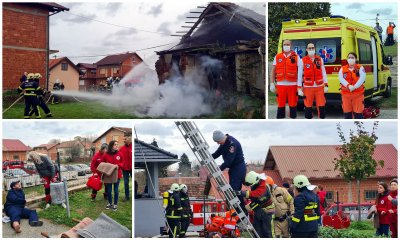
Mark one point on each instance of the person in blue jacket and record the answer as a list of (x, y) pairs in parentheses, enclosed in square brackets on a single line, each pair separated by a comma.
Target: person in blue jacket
[(15, 208), (232, 154), (304, 222)]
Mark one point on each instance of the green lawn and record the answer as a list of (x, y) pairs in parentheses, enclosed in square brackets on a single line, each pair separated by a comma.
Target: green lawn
[(81, 207), (68, 110), (390, 50)]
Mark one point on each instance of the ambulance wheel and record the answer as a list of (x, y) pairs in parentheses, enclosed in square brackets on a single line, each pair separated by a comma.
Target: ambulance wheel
[(388, 92)]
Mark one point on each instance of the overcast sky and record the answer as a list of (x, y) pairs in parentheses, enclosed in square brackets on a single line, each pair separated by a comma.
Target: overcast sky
[(366, 12), (39, 132), (140, 25), (256, 136)]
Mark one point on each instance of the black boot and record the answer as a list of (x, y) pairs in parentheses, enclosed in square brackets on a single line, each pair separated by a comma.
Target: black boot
[(358, 116), (322, 112), (36, 223), (293, 112), (348, 115), (308, 113), (281, 113)]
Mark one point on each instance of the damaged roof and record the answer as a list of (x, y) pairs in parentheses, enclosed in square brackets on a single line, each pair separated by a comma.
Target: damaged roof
[(223, 25)]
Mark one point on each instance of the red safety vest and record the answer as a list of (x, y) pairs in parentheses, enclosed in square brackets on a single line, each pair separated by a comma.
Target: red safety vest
[(286, 67), (390, 29), (351, 77), (311, 73)]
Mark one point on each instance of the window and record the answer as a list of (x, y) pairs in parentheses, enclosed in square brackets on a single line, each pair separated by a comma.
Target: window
[(102, 71), (115, 138), (64, 66), (328, 48), (370, 194), (83, 70), (329, 196), (81, 82), (93, 71), (16, 157), (364, 51), (103, 140), (115, 70)]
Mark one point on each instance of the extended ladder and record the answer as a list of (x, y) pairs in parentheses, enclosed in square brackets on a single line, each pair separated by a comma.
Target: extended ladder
[(199, 146)]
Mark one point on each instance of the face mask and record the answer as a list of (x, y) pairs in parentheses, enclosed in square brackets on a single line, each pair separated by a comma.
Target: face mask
[(351, 61), (286, 48), (311, 52)]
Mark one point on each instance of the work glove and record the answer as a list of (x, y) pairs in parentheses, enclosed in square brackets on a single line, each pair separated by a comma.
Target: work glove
[(300, 92), (351, 88), (248, 208), (326, 88), (240, 193), (272, 87)]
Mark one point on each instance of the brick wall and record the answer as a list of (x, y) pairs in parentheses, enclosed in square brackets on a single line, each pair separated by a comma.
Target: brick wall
[(195, 185), (23, 29), (343, 188)]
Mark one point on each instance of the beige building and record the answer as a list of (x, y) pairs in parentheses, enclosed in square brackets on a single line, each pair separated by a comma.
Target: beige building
[(66, 71)]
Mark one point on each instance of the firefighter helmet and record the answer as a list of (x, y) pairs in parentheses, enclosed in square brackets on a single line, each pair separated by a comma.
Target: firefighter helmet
[(301, 181), (30, 76), (174, 187), (38, 75), (183, 187), (252, 178)]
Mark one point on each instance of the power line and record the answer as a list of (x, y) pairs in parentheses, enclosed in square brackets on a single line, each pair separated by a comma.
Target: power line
[(116, 25), (103, 55)]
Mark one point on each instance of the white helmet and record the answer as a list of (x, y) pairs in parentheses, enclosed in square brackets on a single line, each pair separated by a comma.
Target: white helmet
[(252, 178), (174, 187), (183, 187)]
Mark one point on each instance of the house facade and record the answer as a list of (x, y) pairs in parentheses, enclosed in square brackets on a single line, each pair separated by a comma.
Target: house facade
[(14, 150), (87, 78), (113, 133), (66, 72)]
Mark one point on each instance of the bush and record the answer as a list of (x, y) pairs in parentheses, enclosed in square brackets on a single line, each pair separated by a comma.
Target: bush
[(362, 225), (328, 232)]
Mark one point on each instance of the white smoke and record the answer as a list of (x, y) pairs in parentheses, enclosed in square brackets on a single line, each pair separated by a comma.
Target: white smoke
[(179, 97)]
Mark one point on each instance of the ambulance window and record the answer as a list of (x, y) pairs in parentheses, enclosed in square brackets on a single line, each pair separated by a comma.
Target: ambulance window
[(299, 46), (329, 50), (364, 51)]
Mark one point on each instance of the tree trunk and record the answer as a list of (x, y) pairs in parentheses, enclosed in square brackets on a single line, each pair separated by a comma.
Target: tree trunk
[(350, 194), (359, 199)]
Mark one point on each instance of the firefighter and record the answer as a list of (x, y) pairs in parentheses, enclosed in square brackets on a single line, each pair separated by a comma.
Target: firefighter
[(352, 78), (173, 210), (261, 203), (41, 101), (30, 89), (304, 221), (56, 87), (232, 153), (286, 72), (313, 83), (187, 212), (284, 209)]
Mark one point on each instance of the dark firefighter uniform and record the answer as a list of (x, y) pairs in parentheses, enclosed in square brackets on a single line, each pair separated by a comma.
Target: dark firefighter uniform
[(56, 87), (232, 154), (263, 207), (187, 213), (173, 212), (30, 90), (41, 102), (304, 223)]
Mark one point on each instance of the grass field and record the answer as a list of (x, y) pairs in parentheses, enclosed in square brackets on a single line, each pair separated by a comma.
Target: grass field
[(390, 50), (81, 207)]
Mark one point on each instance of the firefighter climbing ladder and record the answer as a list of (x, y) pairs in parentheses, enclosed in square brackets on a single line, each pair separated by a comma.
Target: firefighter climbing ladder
[(199, 146)]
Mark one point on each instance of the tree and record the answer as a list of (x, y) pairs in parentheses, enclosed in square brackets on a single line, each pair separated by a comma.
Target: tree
[(355, 160), (163, 172), (185, 166), (54, 141), (277, 12)]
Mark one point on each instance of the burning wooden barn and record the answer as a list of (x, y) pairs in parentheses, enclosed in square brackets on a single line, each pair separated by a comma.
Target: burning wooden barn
[(227, 44)]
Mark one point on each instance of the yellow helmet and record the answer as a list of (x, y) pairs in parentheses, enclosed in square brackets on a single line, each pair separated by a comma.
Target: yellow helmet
[(30, 76), (38, 75), (252, 178)]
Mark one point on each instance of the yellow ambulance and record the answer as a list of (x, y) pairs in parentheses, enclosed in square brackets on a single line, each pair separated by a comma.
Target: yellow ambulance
[(334, 37)]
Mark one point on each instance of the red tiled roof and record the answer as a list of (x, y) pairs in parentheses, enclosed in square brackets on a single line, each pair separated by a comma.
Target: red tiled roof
[(14, 145), (116, 59), (55, 61), (317, 161), (47, 145), (122, 129), (68, 144), (86, 65)]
